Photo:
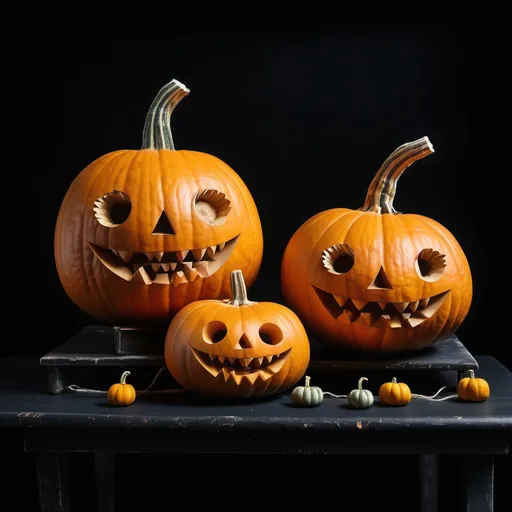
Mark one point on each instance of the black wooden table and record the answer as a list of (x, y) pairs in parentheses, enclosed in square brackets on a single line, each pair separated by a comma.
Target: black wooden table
[(54, 426)]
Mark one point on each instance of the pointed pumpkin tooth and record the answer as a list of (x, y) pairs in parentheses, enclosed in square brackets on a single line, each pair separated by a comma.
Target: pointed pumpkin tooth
[(173, 266), (251, 377), (413, 321), (198, 254), (257, 362), (269, 358), (136, 266), (245, 361), (221, 246), (211, 250), (226, 373), (178, 278), (115, 251), (212, 357), (424, 303), (149, 255), (165, 266), (221, 359), (142, 274), (155, 266), (413, 306), (382, 305), (232, 359), (340, 300), (400, 306), (158, 255), (181, 255), (126, 255), (190, 273), (359, 304), (406, 315)]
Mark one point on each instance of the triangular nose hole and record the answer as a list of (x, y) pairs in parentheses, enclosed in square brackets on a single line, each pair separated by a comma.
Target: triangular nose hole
[(243, 342), (381, 281), (163, 226)]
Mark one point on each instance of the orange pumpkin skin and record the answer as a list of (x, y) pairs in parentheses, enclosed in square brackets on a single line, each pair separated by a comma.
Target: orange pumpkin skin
[(121, 393), (357, 308), (395, 393), (158, 182), (473, 389), (267, 344)]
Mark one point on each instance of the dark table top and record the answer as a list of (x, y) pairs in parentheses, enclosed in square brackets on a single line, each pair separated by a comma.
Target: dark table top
[(24, 403)]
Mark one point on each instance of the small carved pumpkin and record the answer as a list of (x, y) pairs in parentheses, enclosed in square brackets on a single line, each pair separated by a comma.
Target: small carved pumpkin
[(394, 393), (121, 393), (374, 279), (236, 347), (360, 398), (473, 389), (307, 395), (141, 233)]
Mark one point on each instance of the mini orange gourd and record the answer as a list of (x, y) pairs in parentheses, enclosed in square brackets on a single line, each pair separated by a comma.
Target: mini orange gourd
[(121, 393), (236, 348), (395, 393), (473, 389), (374, 279), (141, 233)]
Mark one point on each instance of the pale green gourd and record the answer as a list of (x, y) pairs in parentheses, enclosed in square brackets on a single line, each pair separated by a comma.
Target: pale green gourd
[(360, 398), (307, 396)]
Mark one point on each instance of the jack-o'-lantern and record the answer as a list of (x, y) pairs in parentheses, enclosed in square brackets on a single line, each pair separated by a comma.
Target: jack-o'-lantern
[(236, 348), (375, 279), (141, 233)]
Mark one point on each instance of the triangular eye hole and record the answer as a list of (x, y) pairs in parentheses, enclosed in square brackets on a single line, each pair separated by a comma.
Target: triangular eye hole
[(112, 209), (338, 259), (430, 265), (163, 226)]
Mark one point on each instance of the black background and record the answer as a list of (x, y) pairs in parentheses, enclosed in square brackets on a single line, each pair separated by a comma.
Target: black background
[(305, 107)]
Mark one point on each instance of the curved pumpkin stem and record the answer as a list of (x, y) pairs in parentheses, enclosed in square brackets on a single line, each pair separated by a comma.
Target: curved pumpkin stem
[(360, 383), (382, 189), (123, 377), (238, 290), (308, 380), (157, 128)]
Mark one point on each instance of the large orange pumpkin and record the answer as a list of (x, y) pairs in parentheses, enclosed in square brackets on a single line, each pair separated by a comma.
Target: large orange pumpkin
[(141, 233), (236, 348), (374, 279)]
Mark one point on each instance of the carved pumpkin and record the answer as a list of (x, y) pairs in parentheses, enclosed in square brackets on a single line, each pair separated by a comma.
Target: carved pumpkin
[(121, 393), (473, 389), (374, 279), (141, 233), (236, 347)]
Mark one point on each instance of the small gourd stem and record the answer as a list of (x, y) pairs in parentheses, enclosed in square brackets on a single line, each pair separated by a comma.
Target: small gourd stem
[(157, 128), (382, 189), (471, 374), (123, 377), (308, 380), (360, 383), (393, 380), (238, 289)]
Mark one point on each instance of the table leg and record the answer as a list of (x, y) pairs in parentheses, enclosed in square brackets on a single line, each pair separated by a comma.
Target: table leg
[(104, 469), (55, 380), (428, 482), (52, 473), (478, 482)]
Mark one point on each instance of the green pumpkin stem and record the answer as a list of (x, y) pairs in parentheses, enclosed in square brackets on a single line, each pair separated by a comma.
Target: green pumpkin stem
[(308, 380), (238, 290), (123, 377), (360, 383), (382, 189), (157, 128)]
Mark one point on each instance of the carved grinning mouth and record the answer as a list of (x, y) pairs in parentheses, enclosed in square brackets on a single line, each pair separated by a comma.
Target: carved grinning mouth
[(380, 314), (165, 267), (238, 368)]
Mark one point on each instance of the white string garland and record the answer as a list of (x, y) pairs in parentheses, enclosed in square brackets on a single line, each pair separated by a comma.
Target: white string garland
[(433, 398), (147, 391)]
